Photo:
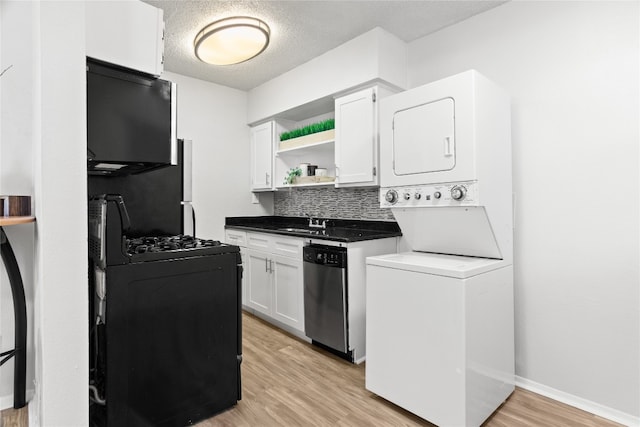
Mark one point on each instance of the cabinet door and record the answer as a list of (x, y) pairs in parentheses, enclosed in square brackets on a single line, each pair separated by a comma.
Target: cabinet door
[(356, 138), (288, 304), (262, 157), (129, 34), (258, 281)]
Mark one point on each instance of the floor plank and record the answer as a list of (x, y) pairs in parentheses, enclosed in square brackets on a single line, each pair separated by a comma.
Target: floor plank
[(288, 382), (15, 417)]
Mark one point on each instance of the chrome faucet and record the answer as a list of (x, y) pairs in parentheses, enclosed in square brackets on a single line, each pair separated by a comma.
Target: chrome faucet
[(315, 223)]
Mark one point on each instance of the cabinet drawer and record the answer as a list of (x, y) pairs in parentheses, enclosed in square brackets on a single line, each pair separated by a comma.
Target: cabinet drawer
[(259, 241), (236, 237), (276, 244), (287, 246)]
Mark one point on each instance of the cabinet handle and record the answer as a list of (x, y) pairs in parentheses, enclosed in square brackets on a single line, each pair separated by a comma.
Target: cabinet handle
[(266, 177), (268, 265)]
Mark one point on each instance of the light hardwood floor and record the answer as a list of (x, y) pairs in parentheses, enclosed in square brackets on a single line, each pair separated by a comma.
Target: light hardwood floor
[(288, 382)]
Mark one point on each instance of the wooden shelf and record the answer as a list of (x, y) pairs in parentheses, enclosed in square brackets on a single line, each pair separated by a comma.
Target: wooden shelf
[(307, 140), (313, 184), (300, 148), (311, 181), (321, 184), (13, 220)]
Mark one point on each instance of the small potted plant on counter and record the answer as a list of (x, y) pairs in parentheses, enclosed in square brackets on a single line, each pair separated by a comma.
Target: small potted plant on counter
[(293, 173)]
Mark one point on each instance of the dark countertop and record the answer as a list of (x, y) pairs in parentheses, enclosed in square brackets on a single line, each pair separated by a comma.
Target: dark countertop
[(338, 230)]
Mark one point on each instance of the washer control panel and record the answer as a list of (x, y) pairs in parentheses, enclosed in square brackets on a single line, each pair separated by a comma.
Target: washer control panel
[(450, 194)]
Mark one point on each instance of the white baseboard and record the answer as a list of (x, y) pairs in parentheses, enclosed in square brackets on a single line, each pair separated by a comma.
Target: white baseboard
[(578, 402), (6, 401)]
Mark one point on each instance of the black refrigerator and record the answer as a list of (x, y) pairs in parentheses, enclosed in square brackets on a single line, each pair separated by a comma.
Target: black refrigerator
[(158, 201)]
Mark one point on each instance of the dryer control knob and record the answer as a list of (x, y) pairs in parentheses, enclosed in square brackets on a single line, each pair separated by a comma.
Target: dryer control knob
[(417, 196), (458, 192), (407, 196), (437, 195), (391, 196)]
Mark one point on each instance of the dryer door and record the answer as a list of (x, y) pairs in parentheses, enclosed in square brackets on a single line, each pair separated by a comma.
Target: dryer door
[(424, 139)]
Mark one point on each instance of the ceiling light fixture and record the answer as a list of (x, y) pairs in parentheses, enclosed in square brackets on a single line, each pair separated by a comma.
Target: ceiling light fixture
[(232, 40)]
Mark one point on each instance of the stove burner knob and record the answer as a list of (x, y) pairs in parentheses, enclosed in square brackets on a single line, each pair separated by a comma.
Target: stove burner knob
[(391, 196), (458, 192), (407, 196), (437, 195), (417, 196)]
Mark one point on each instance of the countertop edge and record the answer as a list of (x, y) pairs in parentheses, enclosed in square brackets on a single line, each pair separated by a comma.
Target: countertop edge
[(382, 235)]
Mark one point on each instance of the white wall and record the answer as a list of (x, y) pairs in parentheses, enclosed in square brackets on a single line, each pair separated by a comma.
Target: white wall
[(61, 312), (43, 152), (214, 117), (572, 69), (376, 54), (16, 173)]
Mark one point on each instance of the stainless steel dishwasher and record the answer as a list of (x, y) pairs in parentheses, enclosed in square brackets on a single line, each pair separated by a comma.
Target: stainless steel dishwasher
[(325, 297)]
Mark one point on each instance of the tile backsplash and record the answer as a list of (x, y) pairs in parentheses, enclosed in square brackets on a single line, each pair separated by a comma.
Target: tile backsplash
[(331, 202)]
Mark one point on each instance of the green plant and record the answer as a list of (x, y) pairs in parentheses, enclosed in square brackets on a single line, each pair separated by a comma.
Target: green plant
[(291, 175), (309, 129)]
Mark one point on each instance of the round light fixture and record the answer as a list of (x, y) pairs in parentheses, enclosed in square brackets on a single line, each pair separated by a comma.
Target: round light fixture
[(231, 40)]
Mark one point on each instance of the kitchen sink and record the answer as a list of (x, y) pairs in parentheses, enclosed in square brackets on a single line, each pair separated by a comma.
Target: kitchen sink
[(300, 230)]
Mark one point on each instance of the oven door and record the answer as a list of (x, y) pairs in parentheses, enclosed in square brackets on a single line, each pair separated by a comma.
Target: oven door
[(172, 340)]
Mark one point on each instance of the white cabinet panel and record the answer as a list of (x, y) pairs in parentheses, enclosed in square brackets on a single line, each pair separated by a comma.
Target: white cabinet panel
[(236, 237), (126, 33), (274, 277), (259, 287), (262, 157), (288, 291), (259, 241), (356, 137), (287, 246), (239, 238)]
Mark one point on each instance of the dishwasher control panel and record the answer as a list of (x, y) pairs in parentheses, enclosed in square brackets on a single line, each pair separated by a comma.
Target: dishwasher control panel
[(325, 255)]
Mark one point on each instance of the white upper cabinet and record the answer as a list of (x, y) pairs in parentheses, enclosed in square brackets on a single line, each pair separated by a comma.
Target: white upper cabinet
[(356, 138), (356, 146), (262, 157), (126, 33), (264, 138)]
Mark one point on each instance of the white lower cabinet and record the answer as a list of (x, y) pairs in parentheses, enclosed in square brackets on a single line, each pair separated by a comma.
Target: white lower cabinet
[(258, 290), (239, 238), (274, 280), (288, 291)]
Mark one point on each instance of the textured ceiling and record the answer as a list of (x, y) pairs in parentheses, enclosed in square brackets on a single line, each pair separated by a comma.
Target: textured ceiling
[(300, 30)]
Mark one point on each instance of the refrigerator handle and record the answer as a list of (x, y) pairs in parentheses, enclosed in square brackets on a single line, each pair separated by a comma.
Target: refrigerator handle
[(240, 270), (188, 219), (193, 216)]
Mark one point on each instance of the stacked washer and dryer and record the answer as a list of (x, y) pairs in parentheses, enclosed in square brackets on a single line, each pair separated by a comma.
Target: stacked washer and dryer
[(439, 327)]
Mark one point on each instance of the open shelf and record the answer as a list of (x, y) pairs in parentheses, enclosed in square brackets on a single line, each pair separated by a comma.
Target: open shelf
[(312, 184), (316, 146)]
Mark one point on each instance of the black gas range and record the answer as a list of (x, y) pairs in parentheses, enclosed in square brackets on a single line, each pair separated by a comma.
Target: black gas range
[(154, 248), (165, 323), (110, 241)]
